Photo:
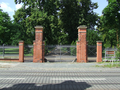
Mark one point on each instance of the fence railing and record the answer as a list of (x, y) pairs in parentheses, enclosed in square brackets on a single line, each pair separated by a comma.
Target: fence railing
[(9, 51), (110, 54), (60, 53), (91, 51), (60, 49), (28, 50)]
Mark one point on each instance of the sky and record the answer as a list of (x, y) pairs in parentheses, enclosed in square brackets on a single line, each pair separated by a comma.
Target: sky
[(10, 7)]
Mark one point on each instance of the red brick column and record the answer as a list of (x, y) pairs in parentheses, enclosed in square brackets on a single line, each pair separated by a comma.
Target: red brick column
[(78, 53), (38, 44), (99, 51), (82, 44), (21, 51), (34, 51), (43, 53), (87, 51)]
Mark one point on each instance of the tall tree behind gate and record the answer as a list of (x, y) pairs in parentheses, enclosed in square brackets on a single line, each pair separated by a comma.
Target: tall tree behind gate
[(60, 18)]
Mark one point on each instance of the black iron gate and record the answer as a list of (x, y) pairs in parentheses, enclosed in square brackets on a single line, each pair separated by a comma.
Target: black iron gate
[(60, 53), (28, 53), (91, 53)]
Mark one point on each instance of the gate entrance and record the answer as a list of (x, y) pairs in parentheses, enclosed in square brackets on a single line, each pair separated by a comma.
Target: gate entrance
[(91, 53), (60, 53), (28, 53), (64, 53)]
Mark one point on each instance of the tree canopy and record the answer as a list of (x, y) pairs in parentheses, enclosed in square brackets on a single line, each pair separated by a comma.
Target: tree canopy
[(110, 23), (60, 18)]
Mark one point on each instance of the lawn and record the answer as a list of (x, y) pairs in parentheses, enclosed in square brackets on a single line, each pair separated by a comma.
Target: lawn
[(115, 64)]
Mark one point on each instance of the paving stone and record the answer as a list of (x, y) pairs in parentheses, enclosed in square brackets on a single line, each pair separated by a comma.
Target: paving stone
[(67, 77)]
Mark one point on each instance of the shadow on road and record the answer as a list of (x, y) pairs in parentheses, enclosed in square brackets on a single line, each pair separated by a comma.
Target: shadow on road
[(67, 85)]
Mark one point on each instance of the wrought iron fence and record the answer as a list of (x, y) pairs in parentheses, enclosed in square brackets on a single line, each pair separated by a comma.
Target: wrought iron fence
[(28, 50), (60, 53), (91, 51), (9, 51)]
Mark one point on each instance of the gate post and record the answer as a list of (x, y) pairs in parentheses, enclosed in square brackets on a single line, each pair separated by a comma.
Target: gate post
[(99, 51), (38, 54), (33, 50), (81, 48), (87, 51), (43, 49), (21, 51)]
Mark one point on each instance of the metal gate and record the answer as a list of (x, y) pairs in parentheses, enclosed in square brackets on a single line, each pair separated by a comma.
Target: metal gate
[(9, 52), (91, 53), (60, 53), (28, 53)]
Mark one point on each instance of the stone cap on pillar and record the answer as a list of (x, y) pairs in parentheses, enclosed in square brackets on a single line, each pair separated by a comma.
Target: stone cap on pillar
[(99, 41), (39, 27), (21, 42), (82, 26)]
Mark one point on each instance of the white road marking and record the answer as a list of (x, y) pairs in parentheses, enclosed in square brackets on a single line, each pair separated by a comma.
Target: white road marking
[(13, 78), (77, 79)]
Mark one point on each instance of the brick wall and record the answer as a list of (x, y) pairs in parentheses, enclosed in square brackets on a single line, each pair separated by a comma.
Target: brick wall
[(81, 44)]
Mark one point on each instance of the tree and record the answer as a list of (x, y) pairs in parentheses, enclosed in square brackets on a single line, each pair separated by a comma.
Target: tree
[(74, 13), (107, 34), (111, 18), (5, 28), (92, 36), (39, 12), (60, 18)]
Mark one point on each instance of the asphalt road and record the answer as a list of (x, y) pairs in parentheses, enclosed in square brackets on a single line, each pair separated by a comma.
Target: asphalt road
[(59, 76)]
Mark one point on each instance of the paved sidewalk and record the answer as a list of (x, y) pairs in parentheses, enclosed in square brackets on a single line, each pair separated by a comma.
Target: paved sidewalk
[(86, 67), (58, 76)]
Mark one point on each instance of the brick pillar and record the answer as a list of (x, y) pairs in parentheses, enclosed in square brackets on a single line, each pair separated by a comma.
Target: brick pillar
[(82, 44), (43, 53), (99, 51), (78, 53), (87, 51), (34, 51), (38, 44), (21, 51)]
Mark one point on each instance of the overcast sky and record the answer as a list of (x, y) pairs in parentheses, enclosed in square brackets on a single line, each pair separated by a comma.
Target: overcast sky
[(9, 6)]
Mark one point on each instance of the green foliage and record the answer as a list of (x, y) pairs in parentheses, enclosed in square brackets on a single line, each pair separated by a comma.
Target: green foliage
[(38, 13), (5, 25), (110, 23), (9, 33), (92, 37), (74, 13), (60, 19)]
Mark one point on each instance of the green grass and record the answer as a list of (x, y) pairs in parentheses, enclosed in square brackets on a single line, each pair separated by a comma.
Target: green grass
[(29, 54), (109, 64), (10, 51)]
